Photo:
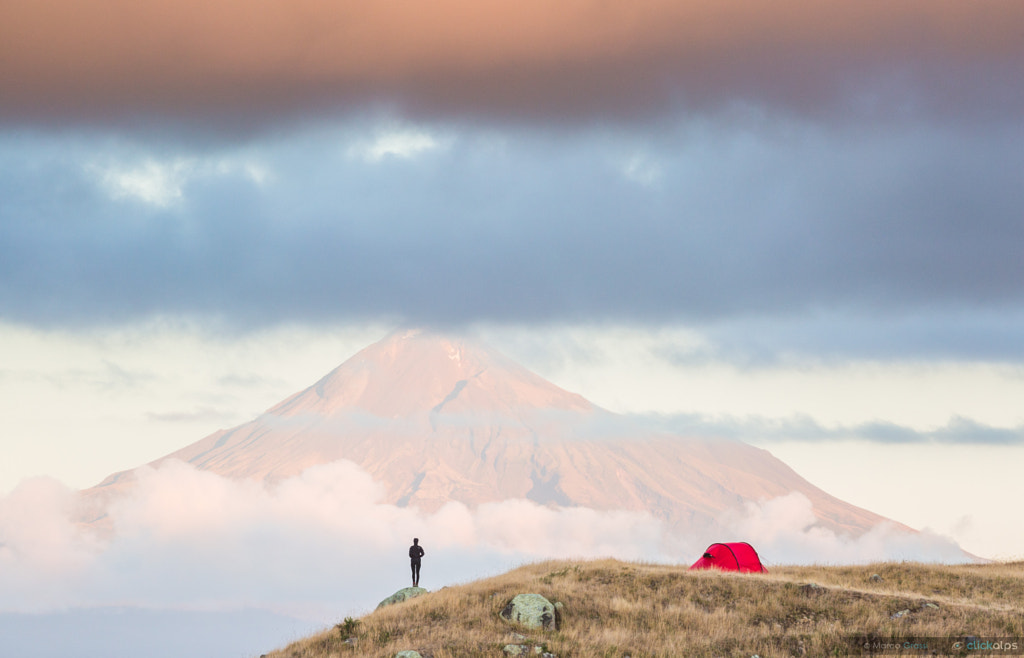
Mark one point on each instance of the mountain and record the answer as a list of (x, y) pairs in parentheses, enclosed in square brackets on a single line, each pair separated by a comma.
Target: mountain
[(436, 418)]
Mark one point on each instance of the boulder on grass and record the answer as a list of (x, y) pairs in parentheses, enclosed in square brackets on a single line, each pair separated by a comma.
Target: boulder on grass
[(531, 611), (402, 595), (525, 650)]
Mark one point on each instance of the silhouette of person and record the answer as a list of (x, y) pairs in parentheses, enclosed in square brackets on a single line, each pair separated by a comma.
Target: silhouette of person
[(415, 553)]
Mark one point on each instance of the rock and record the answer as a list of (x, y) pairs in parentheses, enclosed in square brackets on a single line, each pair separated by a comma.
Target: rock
[(901, 613), (875, 578), (531, 611), (408, 653), (930, 605), (402, 595), (525, 650), (812, 589)]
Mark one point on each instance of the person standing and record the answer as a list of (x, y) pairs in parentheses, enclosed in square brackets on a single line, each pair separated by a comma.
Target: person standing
[(415, 553)]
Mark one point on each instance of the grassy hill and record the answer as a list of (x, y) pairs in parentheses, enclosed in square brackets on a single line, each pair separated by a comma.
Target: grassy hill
[(615, 609)]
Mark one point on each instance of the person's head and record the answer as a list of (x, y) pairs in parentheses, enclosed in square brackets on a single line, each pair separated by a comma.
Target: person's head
[(415, 540)]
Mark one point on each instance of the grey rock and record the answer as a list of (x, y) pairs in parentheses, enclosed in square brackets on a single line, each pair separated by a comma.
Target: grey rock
[(526, 650), (875, 578), (900, 614), (531, 611), (408, 653), (402, 595)]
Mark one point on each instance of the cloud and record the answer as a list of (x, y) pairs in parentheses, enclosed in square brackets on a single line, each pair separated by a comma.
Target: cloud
[(208, 415), (957, 430), (36, 533), (404, 144), (979, 332), (322, 542), (784, 528), (152, 182), (162, 183), (229, 60), (870, 241), (641, 169)]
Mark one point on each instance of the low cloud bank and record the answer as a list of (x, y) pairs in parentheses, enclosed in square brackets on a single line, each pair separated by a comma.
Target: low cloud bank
[(321, 545), (784, 532), (958, 430)]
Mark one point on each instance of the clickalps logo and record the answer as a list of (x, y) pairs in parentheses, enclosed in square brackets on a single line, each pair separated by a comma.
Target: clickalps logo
[(987, 645)]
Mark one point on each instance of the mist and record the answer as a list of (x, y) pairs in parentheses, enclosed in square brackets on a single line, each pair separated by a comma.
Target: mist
[(321, 544), (245, 561)]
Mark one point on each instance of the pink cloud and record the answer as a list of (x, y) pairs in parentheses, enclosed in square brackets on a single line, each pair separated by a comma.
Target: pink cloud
[(322, 544), (98, 59)]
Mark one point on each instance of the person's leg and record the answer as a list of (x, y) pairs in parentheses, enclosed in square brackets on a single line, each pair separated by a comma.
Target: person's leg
[(413, 565), (416, 574)]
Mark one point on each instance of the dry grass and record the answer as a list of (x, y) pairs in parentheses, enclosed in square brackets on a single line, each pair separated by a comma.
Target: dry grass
[(615, 609)]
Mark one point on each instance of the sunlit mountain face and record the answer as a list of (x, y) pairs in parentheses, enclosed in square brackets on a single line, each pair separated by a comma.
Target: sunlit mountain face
[(436, 418)]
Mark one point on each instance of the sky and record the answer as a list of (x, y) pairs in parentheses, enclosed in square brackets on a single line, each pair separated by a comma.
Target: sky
[(795, 223)]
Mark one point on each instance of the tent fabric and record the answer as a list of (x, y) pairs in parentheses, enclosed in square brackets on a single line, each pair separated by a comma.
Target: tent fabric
[(732, 556)]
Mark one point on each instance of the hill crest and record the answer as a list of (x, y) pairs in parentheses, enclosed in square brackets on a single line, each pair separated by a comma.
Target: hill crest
[(614, 608)]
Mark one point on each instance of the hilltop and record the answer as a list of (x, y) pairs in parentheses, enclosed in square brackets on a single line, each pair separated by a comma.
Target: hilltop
[(616, 609)]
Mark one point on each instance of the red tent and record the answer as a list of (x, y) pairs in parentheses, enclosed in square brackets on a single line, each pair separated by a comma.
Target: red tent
[(735, 556)]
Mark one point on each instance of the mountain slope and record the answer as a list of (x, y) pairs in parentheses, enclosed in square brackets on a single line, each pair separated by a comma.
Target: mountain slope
[(435, 418)]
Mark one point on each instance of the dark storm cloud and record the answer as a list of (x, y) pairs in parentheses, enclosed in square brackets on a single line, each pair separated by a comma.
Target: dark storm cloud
[(890, 227), (238, 62)]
